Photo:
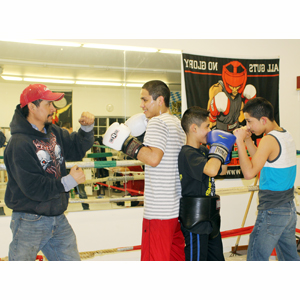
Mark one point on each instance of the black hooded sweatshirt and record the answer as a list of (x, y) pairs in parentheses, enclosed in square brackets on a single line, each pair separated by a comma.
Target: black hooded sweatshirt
[(35, 164)]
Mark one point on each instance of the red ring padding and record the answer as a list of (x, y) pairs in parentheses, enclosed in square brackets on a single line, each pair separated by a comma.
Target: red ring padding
[(235, 232)]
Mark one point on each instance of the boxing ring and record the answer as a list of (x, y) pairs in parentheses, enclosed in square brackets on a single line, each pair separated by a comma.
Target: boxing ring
[(86, 255)]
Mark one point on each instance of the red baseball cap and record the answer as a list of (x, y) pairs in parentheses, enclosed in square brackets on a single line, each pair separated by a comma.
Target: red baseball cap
[(38, 91)]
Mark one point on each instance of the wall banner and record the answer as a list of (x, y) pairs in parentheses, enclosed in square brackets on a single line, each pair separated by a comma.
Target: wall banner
[(63, 115), (237, 80)]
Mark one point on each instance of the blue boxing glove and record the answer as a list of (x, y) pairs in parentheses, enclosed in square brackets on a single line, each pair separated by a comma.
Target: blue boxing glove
[(221, 144), (228, 158)]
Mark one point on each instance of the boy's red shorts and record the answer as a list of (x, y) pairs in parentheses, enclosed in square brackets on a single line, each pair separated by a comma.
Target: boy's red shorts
[(162, 240)]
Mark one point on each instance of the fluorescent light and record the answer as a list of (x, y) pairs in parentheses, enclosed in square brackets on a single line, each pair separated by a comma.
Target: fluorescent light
[(64, 81), (169, 51), (98, 83), (12, 78), (116, 47), (49, 80), (134, 84), (42, 42)]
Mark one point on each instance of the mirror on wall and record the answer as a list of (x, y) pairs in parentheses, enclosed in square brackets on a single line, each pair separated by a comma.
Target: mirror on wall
[(106, 82)]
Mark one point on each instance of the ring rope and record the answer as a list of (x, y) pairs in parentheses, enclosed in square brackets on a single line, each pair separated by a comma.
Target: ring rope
[(116, 178), (97, 164)]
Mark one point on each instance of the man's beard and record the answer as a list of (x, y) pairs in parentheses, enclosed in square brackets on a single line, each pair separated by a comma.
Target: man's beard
[(47, 123)]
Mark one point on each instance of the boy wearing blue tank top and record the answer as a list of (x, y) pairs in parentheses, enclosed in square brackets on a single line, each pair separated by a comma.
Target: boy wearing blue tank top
[(275, 159)]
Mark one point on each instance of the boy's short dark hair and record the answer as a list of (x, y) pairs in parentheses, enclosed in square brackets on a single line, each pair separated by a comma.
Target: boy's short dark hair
[(259, 107), (194, 115), (158, 88)]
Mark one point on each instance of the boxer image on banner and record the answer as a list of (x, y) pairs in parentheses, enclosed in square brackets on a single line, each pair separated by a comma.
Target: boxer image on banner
[(228, 96)]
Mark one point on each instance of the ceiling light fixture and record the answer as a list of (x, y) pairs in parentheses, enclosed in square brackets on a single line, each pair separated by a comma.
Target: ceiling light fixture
[(134, 84), (63, 81), (68, 81), (13, 78), (98, 83)]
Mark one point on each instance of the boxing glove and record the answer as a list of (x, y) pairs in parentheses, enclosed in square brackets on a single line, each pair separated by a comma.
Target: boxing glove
[(118, 137), (219, 104), (249, 92), (228, 158), (221, 144), (137, 124)]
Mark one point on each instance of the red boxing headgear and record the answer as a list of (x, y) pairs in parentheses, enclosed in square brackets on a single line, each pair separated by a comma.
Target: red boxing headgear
[(234, 78)]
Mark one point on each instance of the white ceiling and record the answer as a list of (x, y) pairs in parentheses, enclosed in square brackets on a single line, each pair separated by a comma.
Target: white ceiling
[(31, 60)]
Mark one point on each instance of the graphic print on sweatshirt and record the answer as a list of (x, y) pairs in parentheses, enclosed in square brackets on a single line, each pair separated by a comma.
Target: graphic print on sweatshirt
[(49, 155)]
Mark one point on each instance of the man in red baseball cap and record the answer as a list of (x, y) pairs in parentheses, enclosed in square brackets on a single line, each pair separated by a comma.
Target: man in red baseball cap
[(37, 99), (38, 91), (38, 184)]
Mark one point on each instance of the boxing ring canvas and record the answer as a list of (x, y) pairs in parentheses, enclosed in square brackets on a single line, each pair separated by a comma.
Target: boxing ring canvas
[(239, 80)]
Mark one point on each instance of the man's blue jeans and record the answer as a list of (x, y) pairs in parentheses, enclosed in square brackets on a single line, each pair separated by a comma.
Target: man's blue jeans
[(54, 236), (274, 228)]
